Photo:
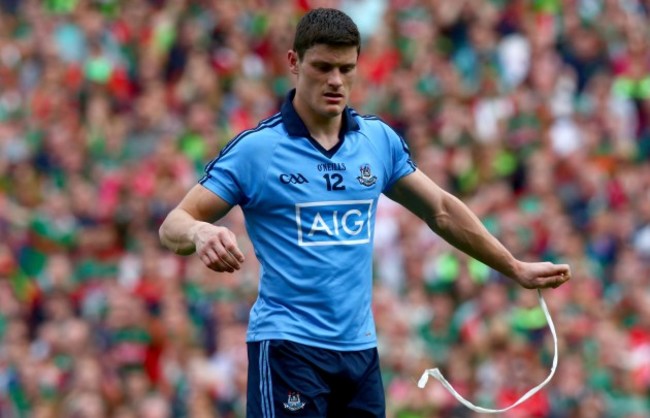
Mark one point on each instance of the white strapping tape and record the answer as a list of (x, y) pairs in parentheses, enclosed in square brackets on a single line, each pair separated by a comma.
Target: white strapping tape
[(436, 374)]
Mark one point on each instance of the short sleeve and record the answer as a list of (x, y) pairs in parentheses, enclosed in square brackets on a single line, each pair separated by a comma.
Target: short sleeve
[(221, 178), (233, 175), (401, 163)]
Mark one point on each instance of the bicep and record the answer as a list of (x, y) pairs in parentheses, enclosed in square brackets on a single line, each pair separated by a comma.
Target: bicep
[(204, 205), (419, 194)]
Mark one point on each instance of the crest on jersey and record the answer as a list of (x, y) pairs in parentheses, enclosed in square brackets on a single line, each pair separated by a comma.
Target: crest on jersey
[(366, 178), (294, 403)]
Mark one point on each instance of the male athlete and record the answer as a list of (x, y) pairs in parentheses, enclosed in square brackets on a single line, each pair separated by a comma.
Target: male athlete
[(308, 180)]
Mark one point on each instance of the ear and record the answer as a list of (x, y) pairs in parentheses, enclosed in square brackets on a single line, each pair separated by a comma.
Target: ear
[(292, 58)]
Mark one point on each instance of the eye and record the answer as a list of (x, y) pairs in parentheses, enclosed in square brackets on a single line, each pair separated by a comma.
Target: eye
[(347, 68), (323, 67)]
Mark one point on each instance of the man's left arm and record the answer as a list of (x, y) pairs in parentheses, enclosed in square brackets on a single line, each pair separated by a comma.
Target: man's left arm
[(452, 220)]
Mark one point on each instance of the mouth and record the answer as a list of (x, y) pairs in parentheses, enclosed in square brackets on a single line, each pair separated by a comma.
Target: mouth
[(334, 97)]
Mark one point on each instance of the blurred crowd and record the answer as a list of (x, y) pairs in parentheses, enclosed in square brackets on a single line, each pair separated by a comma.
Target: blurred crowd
[(535, 112)]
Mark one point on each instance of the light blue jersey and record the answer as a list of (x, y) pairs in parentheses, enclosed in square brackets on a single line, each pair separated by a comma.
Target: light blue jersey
[(310, 214)]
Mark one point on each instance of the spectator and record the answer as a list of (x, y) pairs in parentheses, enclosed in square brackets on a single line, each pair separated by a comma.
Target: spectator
[(536, 113)]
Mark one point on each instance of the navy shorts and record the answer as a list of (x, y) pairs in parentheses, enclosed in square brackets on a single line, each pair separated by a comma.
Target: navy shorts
[(287, 379)]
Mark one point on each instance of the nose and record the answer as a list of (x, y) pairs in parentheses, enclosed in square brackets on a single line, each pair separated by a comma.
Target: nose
[(335, 79)]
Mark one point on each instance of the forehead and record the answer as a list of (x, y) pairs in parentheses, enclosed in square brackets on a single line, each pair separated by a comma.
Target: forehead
[(331, 54)]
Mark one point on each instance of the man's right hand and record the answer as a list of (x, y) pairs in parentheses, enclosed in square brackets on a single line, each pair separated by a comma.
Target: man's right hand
[(217, 247)]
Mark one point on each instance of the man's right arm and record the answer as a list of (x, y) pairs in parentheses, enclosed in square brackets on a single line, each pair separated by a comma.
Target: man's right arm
[(188, 228)]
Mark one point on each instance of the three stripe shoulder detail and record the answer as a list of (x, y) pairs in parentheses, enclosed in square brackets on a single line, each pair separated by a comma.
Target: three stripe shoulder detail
[(264, 124)]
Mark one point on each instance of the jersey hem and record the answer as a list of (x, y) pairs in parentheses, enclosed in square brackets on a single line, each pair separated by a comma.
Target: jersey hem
[(219, 193), (389, 186), (347, 346)]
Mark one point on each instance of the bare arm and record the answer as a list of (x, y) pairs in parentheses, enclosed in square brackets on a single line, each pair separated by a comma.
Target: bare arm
[(455, 223), (188, 228)]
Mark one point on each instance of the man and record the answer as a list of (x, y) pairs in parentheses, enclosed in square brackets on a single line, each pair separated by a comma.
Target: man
[(308, 180)]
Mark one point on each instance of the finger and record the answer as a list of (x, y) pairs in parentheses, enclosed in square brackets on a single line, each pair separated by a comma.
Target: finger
[(213, 261), (227, 249), (232, 254), (227, 258), (234, 249), (559, 269), (219, 266), (554, 281), (555, 272)]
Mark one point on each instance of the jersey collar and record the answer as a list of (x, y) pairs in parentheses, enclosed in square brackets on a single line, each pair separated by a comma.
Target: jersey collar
[(296, 127)]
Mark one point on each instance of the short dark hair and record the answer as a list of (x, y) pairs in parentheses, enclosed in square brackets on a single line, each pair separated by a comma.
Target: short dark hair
[(328, 27)]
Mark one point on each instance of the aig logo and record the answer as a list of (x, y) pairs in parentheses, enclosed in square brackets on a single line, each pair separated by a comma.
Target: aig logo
[(293, 179), (345, 222)]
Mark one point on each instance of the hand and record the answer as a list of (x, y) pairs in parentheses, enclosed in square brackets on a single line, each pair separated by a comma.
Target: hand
[(217, 247), (542, 275)]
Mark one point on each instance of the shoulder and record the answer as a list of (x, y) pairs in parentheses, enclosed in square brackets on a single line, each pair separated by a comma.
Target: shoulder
[(258, 138), (372, 124), (380, 133)]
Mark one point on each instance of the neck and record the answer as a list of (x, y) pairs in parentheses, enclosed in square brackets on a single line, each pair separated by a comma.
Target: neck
[(324, 129)]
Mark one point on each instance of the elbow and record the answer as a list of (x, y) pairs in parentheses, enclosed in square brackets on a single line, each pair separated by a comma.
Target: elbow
[(171, 239), (162, 235), (439, 222), (443, 210)]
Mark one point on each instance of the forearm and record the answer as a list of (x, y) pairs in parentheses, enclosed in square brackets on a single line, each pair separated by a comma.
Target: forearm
[(452, 220), (177, 232), (456, 224), (194, 214)]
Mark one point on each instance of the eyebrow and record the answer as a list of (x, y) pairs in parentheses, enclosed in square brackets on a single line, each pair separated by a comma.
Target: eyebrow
[(333, 64)]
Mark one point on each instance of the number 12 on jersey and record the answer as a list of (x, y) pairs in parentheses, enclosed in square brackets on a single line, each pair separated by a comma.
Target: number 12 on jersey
[(334, 181)]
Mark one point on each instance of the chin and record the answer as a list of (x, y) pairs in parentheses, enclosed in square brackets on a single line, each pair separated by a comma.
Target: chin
[(332, 113), (333, 110)]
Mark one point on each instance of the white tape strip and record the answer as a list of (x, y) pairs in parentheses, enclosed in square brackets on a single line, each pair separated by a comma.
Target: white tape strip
[(435, 373)]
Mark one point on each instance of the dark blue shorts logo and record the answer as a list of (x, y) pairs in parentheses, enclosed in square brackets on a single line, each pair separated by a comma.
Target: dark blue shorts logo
[(294, 403)]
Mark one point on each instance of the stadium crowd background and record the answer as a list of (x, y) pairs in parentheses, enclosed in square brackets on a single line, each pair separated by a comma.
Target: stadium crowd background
[(535, 112)]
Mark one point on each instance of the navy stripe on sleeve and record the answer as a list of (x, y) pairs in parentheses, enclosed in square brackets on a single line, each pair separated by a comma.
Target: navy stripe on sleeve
[(404, 144), (267, 123)]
